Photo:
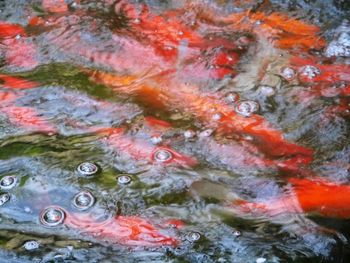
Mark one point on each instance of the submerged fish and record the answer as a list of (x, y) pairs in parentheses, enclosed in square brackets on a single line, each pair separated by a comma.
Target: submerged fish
[(24, 117), (165, 91), (12, 82), (124, 230), (18, 49), (142, 150), (312, 195), (283, 31), (310, 70)]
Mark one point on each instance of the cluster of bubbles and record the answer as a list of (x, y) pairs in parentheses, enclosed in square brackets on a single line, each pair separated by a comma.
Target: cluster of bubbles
[(53, 216), (307, 71), (83, 200), (7, 183)]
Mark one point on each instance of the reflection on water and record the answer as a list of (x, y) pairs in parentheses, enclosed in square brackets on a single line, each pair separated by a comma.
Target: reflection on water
[(174, 131)]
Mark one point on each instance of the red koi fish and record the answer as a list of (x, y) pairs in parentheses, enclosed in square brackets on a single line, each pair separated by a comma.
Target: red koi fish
[(316, 195), (28, 119), (283, 31), (18, 50), (23, 117), (124, 230), (142, 150), (7, 81), (164, 91), (10, 30), (164, 30)]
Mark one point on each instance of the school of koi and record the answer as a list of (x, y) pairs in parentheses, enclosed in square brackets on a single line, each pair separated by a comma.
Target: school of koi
[(152, 65)]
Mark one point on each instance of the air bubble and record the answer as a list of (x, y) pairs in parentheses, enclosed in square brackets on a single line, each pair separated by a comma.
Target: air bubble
[(8, 182), (246, 107), (124, 179), (4, 198), (52, 216), (193, 236), (83, 200), (87, 169), (288, 73), (163, 155), (31, 245), (309, 71), (231, 97)]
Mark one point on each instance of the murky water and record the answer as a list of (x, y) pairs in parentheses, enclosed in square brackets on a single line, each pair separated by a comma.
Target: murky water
[(174, 131)]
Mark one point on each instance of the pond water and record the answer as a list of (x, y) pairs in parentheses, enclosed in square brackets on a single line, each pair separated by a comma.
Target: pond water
[(174, 131)]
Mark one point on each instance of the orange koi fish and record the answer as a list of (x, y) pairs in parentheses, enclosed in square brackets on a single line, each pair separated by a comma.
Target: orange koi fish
[(141, 150), (168, 34), (314, 195), (164, 91), (283, 31), (124, 230), (164, 30), (233, 155)]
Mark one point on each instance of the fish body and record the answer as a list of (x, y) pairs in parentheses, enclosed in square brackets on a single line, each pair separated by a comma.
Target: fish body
[(18, 50), (24, 117), (11, 82), (280, 29), (306, 195), (142, 150), (311, 71), (123, 230), (164, 91)]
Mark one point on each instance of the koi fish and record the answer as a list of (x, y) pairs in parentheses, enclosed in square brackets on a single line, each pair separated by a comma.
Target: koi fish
[(28, 119), (7, 81), (23, 117), (164, 91), (124, 230), (240, 157), (283, 31), (10, 30), (167, 33), (141, 150), (18, 50), (310, 71), (326, 80), (232, 155), (313, 195), (156, 42)]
